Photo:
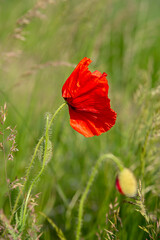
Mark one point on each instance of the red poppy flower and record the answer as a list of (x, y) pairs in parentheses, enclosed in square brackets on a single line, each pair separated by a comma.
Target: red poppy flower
[(87, 96)]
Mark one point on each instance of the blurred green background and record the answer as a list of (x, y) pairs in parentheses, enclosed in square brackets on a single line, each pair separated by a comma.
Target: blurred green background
[(123, 39)]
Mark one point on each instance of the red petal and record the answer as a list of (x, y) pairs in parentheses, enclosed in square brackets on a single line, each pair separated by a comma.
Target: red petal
[(118, 186), (94, 98), (87, 97), (73, 83), (90, 124)]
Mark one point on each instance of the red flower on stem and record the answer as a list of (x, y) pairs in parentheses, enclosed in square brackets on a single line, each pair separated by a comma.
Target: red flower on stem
[(87, 96)]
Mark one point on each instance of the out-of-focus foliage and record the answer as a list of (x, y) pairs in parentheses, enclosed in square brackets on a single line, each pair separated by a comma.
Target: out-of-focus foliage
[(40, 43)]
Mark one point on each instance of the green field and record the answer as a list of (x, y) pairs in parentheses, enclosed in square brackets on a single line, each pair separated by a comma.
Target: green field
[(40, 45)]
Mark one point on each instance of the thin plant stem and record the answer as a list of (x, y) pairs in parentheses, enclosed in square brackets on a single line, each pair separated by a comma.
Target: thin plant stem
[(32, 161), (70, 208), (89, 184), (27, 176), (39, 174), (48, 125), (58, 230), (54, 115), (143, 152)]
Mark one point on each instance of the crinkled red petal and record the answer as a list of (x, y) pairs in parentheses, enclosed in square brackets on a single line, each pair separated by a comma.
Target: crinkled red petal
[(77, 79), (87, 97), (90, 124)]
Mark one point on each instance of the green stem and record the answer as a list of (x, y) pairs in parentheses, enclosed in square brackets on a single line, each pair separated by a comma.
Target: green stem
[(39, 174), (48, 125), (54, 115), (31, 164), (58, 230), (89, 184), (27, 176)]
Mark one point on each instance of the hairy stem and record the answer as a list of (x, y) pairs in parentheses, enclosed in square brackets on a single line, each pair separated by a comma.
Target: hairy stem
[(27, 176), (31, 164), (54, 115), (39, 174), (89, 184)]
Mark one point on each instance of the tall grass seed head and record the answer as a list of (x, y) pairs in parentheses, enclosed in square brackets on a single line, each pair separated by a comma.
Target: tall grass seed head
[(126, 183)]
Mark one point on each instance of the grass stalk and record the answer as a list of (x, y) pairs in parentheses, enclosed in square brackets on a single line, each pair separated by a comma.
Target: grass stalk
[(58, 230), (143, 152)]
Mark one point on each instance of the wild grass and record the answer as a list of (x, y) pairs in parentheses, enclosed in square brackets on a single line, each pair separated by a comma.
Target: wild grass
[(41, 42)]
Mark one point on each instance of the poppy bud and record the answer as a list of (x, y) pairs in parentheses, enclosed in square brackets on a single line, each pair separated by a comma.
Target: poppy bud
[(126, 183)]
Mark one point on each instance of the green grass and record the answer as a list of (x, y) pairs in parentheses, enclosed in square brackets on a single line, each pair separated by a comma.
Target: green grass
[(122, 38)]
